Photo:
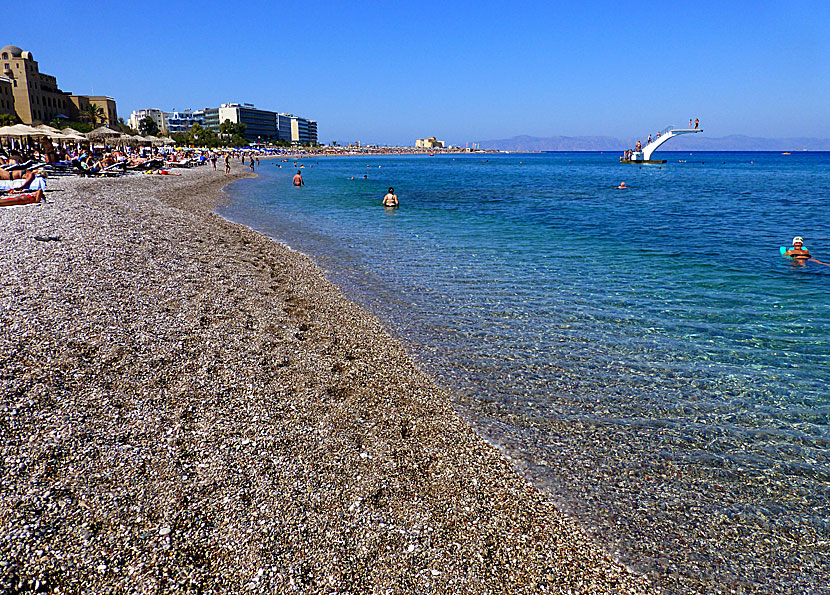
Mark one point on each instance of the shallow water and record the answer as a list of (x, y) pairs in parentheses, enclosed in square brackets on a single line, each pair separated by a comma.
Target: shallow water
[(645, 354)]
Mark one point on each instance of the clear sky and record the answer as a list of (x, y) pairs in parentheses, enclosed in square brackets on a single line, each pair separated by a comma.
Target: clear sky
[(389, 71)]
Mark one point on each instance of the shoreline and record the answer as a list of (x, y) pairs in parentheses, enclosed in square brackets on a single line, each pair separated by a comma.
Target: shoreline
[(189, 404)]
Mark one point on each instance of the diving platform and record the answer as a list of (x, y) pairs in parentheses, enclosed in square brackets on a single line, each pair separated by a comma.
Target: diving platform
[(644, 155)]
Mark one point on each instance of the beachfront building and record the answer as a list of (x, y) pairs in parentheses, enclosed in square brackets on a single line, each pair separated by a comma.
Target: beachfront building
[(6, 96), (296, 129), (36, 95), (81, 103), (183, 121), (284, 126), (156, 115), (260, 125), (429, 143), (303, 131)]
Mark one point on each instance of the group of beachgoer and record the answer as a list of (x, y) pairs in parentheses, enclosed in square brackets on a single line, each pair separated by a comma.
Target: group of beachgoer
[(390, 200), (696, 123)]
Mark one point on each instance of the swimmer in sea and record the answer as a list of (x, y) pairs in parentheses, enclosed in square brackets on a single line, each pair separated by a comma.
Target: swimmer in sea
[(799, 254), (298, 179), (622, 186), (391, 199)]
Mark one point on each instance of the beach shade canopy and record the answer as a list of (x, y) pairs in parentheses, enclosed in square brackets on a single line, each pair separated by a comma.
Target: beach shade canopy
[(21, 130), (59, 136), (103, 132), (73, 134), (49, 129)]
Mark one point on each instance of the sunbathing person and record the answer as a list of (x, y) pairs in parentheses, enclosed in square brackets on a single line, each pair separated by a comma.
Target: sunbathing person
[(19, 174), (22, 199)]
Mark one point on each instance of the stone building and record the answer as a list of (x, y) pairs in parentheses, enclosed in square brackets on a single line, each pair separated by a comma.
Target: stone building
[(429, 143), (82, 102), (6, 96), (36, 95)]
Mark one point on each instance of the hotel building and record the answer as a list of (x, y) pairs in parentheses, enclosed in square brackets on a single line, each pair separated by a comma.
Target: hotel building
[(184, 120), (155, 114), (6, 96), (260, 125), (37, 97)]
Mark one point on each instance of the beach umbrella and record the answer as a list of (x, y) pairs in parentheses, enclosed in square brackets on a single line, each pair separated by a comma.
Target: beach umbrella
[(49, 129), (21, 130), (73, 134), (103, 132), (9, 131)]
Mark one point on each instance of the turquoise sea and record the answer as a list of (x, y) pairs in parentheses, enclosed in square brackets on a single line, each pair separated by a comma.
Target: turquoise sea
[(645, 355)]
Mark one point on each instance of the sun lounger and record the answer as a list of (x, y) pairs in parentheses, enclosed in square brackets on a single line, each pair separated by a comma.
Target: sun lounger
[(19, 166)]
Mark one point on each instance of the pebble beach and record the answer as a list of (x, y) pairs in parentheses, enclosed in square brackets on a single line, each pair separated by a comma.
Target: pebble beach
[(189, 406)]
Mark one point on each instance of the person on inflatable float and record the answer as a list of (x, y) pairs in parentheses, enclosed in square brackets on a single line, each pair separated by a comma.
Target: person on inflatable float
[(799, 253)]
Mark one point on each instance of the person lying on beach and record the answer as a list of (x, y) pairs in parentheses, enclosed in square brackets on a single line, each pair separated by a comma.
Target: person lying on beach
[(161, 172), (391, 199), (799, 254), (21, 199), (29, 176)]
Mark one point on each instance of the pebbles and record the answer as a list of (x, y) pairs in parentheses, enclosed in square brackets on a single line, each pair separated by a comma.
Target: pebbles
[(188, 406)]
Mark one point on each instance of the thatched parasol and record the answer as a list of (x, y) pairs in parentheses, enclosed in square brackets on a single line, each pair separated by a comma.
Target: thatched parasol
[(103, 132), (73, 134)]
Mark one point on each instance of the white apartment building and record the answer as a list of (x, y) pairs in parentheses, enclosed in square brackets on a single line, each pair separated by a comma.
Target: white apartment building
[(157, 115)]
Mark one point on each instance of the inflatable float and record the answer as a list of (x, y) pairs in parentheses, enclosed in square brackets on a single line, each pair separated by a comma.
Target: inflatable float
[(783, 250)]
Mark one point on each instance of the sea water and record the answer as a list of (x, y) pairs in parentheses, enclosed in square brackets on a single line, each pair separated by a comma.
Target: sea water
[(645, 355)]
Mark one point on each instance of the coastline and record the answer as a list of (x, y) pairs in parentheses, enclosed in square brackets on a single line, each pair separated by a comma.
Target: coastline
[(188, 404)]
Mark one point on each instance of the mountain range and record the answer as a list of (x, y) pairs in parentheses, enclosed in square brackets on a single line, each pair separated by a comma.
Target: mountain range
[(695, 142)]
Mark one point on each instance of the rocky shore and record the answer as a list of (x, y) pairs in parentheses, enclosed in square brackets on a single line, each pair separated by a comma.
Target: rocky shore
[(188, 406)]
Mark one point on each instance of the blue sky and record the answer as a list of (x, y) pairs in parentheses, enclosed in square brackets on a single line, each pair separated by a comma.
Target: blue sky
[(389, 72)]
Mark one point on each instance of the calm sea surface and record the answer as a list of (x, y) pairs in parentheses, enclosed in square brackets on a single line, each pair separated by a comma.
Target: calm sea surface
[(645, 355)]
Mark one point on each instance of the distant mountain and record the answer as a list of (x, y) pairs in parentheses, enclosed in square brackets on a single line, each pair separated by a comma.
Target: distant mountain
[(696, 142)]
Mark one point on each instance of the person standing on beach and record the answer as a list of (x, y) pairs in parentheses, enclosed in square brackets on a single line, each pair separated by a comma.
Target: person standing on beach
[(213, 160), (298, 179), (227, 163), (391, 199), (252, 164)]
